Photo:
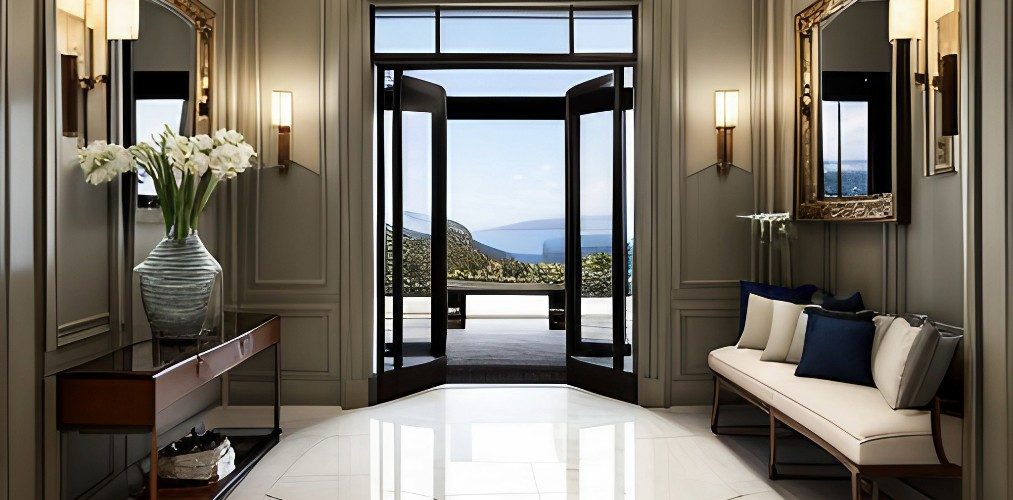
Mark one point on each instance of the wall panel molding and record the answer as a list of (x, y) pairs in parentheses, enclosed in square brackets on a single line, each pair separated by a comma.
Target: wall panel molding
[(712, 249), (273, 177), (697, 332)]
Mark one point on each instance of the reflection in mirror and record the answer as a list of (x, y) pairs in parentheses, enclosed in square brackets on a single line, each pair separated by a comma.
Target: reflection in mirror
[(168, 69), (855, 63), (76, 107), (81, 45), (167, 78), (943, 90)]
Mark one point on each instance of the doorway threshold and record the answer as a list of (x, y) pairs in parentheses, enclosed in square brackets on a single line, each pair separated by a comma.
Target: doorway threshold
[(507, 352)]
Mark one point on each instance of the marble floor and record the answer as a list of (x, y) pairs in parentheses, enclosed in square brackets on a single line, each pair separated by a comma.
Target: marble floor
[(474, 442)]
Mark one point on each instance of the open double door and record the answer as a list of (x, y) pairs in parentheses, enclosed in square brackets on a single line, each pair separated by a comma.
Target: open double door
[(412, 222)]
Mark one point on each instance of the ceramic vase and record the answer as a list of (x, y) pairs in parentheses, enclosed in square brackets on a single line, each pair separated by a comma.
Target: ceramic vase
[(177, 280)]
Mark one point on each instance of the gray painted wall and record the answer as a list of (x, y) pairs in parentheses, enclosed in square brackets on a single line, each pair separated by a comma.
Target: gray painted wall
[(288, 259)]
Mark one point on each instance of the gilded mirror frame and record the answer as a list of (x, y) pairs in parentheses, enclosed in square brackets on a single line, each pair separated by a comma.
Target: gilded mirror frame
[(809, 205)]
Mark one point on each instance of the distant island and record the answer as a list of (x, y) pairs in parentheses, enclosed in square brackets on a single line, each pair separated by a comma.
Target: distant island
[(471, 258)]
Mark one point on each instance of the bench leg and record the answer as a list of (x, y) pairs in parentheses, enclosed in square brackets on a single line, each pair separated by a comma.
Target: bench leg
[(715, 405), (772, 463), (457, 304), (557, 310), (856, 485)]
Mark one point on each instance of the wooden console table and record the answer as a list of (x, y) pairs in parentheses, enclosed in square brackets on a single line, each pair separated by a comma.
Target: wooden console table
[(126, 390)]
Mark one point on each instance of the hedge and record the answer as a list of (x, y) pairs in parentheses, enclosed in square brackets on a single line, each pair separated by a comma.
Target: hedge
[(467, 263)]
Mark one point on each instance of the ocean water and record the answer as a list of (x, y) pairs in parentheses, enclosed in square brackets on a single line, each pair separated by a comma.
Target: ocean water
[(854, 178)]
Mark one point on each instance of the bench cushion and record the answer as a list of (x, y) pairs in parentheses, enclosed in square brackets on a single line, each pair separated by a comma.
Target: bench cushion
[(853, 419)]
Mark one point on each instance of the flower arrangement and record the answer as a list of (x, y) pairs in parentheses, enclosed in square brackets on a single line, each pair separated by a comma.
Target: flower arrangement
[(185, 170)]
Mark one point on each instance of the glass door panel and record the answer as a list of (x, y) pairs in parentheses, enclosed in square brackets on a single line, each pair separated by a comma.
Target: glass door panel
[(412, 251), (596, 227), (598, 239), (417, 220)]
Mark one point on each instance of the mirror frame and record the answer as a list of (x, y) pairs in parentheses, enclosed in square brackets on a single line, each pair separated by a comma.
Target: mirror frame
[(809, 205)]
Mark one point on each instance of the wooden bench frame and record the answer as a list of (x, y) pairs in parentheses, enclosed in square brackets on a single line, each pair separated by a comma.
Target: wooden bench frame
[(458, 291), (860, 474)]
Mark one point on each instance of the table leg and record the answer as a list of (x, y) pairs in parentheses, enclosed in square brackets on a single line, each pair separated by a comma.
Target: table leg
[(557, 310), (457, 303), (277, 387), (153, 472)]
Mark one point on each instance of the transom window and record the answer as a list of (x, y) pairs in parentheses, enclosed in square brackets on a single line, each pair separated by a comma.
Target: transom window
[(459, 30)]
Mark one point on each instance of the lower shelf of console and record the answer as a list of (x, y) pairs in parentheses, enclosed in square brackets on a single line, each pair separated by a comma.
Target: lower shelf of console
[(250, 445)]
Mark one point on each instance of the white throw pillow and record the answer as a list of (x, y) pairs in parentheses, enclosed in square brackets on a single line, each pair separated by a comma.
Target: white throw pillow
[(892, 357), (798, 338), (784, 318), (911, 361), (882, 322), (758, 317)]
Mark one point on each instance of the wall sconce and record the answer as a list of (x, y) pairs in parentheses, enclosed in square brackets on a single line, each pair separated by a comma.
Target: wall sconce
[(95, 22), (122, 19), (947, 82), (726, 117), (281, 117), (935, 26)]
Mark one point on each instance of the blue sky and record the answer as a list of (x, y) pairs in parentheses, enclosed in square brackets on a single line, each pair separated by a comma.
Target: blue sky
[(854, 130), (504, 172)]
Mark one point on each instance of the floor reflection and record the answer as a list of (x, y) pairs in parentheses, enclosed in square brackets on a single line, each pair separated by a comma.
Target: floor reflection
[(513, 443), (516, 458)]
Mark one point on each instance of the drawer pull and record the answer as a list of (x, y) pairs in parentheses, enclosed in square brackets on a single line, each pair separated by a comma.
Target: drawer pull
[(245, 347)]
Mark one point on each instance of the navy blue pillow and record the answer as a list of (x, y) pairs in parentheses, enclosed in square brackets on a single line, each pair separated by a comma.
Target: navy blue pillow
[(837, 349), (847, 304), (800, 295)]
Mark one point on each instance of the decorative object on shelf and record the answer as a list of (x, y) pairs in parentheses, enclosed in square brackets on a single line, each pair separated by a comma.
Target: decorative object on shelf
[(178, 276), (201, 455), (726, 117), (776, 231)]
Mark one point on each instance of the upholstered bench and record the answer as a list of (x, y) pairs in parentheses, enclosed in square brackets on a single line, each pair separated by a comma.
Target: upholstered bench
[(854, 423)]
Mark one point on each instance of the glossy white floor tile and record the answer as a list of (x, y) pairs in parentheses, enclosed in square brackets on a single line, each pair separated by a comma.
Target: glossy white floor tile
[(514, 443)]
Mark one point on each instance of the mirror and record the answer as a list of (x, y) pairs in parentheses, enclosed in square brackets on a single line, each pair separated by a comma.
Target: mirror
[(80, 220), (845, 145), (942, 96), (168, 75)]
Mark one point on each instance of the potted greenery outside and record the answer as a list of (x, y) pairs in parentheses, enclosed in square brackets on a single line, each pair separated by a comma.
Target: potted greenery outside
[(178, 276)]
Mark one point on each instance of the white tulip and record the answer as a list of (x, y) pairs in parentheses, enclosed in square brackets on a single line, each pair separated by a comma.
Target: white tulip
[(203, 142), (103, 162), (233, 137)]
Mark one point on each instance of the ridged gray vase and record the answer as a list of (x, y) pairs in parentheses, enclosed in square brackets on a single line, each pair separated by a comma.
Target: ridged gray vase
[(177, 280)]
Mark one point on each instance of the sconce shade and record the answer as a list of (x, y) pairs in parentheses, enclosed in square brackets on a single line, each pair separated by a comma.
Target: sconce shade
[(281, 108), (939, 8), (72, 7), (122, 19), (95, 14), (907, 20), (949, 34), (95, 20), (726, 108)]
